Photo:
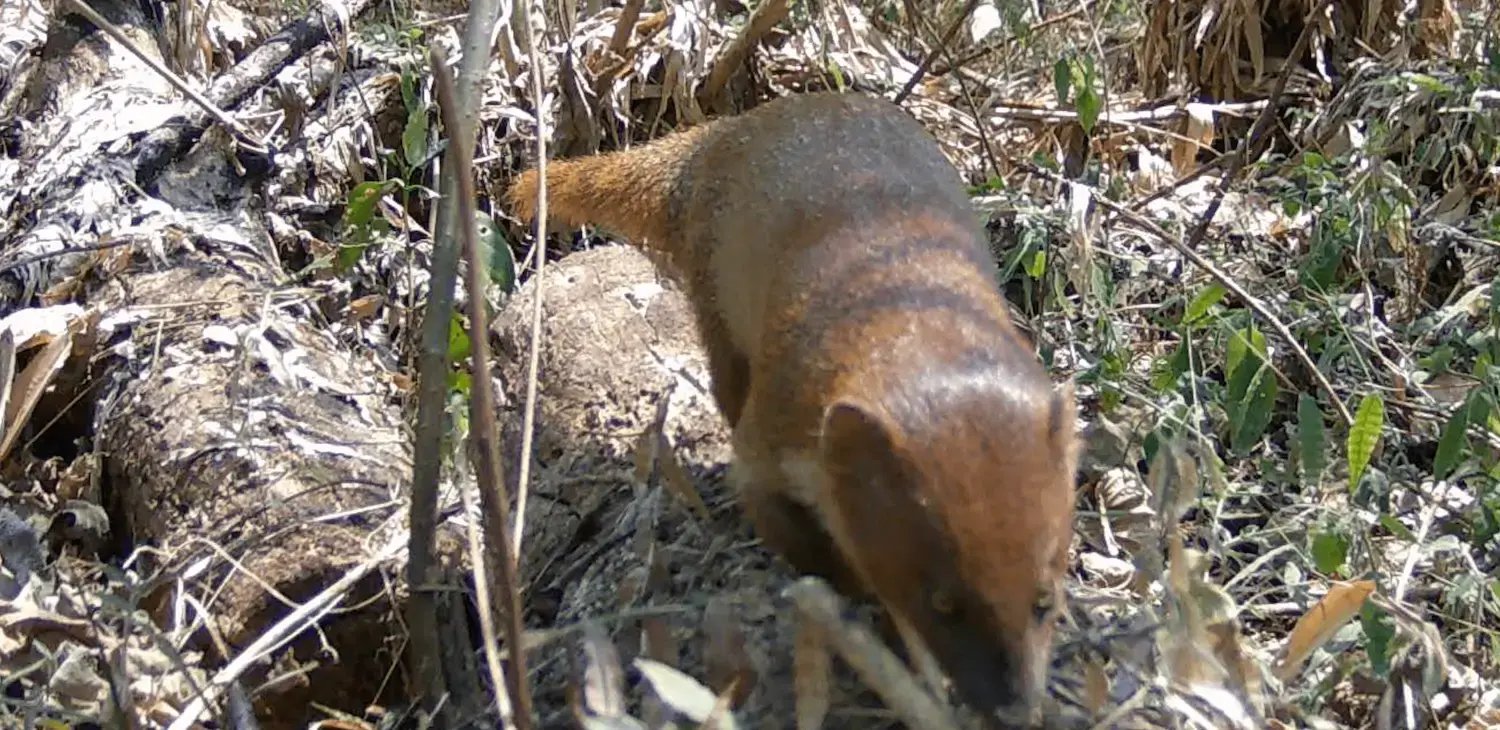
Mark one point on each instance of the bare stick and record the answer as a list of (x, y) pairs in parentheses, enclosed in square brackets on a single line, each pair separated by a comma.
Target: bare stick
[(298, 619), (426, 669), (496, 504), (1254, 303)]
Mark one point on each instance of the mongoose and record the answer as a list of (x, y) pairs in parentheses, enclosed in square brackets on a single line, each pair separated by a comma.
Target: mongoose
[(892, 430)]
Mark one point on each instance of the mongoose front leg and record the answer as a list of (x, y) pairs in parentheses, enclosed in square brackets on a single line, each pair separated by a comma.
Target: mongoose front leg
[(791, 529)]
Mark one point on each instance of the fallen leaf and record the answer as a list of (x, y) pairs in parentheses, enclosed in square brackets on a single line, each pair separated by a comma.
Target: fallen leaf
[(602, 685), (28, 388), (683, 693), (1341, 604)]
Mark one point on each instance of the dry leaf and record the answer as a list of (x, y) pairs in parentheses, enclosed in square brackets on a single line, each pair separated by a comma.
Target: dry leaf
[(1081, 226), (403, 383), (644, 455), (1095, 687), (1173, 479), (1197, 134), (602, 686), (35, 326), (27, 389), (984, 21), (676, 480), (77, 480), (683, 693), (657, 640), (1341, 604), (364, 308)]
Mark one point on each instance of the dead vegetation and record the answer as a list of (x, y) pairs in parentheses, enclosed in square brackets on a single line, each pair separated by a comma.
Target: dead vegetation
[(1260, 236)]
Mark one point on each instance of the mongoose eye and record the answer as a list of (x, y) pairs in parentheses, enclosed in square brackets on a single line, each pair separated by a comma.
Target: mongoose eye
[(942, 602)]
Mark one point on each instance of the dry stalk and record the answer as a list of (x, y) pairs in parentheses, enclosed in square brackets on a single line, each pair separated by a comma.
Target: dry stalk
[(495, 502), (618, 43), (871, 660), (1250, 147), (992, 46), (533, 365)]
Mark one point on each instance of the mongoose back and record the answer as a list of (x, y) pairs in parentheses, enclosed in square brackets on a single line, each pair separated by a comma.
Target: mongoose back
[(892, 430)]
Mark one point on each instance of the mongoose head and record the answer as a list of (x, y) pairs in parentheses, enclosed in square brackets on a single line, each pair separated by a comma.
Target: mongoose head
[(961, 528)]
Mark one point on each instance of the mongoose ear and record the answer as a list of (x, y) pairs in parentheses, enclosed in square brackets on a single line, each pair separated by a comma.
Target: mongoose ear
[(862, 454)]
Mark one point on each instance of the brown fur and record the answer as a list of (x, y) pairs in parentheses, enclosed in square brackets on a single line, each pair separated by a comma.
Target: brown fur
[(893, 431)]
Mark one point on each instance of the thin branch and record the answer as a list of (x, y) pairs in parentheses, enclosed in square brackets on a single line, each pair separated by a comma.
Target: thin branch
[(429, 683), (992, 46), (1255, 304), (942, 47), (285, 629), (243, 135)]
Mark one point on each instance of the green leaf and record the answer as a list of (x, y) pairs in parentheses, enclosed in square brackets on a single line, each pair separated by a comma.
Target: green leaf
[(1062, 79), (1330, 549), (1440, 359), (1167, 370), (1252, 390), (414, 137), (361, 219), (1037, 265), (363, 198), (459, 381), (349, 255), (1394, 526), (495, 250), (1378, 634), (1200, 305), (408, 88), (458, 340), (1364, 434), (1089, 104), (1495, 302), (1480, 407), (1453, 444), (1312, 439), (1428, 83), (1234, 353)]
